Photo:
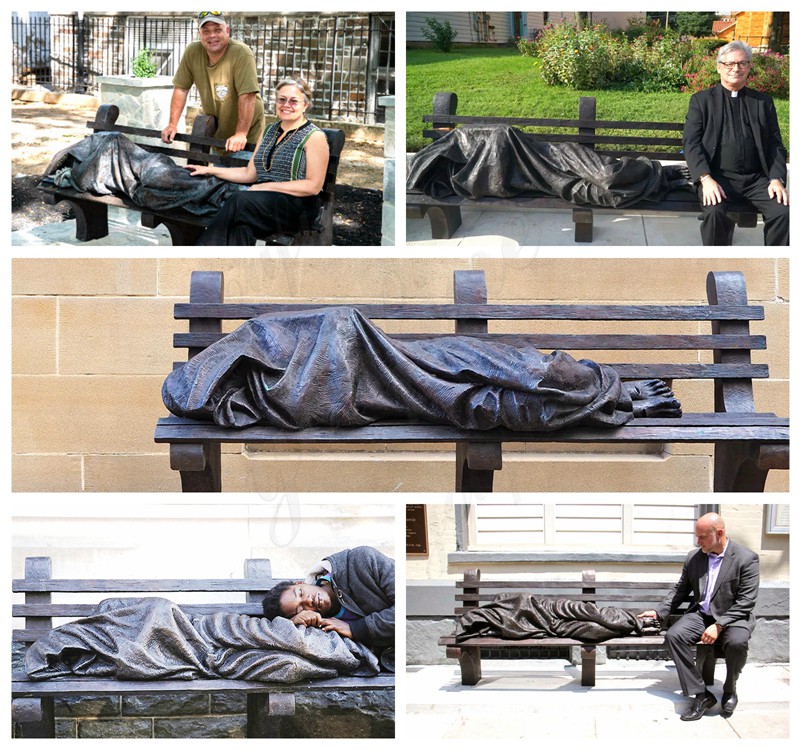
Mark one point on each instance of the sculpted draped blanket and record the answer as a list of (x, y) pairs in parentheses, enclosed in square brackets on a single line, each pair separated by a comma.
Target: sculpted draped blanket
[(334, 367), (503, 162), (111, 164), (518, 616), (152, 638)]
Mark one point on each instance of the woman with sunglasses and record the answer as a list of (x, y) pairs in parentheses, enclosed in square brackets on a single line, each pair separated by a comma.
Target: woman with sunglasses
[(285, 174)]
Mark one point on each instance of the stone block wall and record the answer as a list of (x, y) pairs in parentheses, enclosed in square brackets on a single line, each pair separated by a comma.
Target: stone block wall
[(91, 341)]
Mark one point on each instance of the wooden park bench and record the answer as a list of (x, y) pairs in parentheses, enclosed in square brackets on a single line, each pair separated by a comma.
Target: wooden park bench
[(33, 701), (445, 213), (472, 592), (91, 211), (747, 443)]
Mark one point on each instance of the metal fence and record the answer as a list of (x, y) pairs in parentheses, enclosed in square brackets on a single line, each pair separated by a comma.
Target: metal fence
[(347, 58)]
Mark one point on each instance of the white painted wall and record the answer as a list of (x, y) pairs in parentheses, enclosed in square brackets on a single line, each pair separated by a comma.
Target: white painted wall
[(125, 537)]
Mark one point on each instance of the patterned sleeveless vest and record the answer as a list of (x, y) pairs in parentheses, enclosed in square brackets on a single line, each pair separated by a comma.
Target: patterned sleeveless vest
[(283, 161)]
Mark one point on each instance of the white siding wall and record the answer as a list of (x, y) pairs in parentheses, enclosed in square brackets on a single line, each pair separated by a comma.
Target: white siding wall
[(588, 526), (471, 27)]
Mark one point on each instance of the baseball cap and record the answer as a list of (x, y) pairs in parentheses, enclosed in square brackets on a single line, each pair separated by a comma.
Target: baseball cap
[(204, 16)]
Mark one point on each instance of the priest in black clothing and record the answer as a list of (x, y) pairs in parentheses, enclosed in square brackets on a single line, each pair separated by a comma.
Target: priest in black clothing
[(733, 148)]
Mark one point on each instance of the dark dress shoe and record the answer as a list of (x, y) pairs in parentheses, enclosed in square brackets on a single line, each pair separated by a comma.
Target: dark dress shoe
[(729, 703), (698, 707)]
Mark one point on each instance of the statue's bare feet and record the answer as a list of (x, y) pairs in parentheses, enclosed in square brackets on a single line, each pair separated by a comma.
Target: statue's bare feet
[(652, 398)]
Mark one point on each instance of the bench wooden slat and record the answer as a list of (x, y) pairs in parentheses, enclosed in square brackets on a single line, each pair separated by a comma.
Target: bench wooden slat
[(141, 585), (553, 122), (562, 585), (555, 340), (177, 430), (484, 642), (591, 140), (419, 311)]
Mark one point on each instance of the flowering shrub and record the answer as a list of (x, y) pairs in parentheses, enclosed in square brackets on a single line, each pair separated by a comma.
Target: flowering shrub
[(769, 73), (528, 47), (593, 58)]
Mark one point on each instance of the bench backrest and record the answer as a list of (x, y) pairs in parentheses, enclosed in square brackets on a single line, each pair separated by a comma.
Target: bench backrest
[(38, 586), (718, 331), (655, 140), (201, 141), (635, 596)]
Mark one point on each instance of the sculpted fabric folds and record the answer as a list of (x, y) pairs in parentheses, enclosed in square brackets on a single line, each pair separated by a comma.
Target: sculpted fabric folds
[(152, 638), (519, 616), (503, 162), (111, 164), (334, 367)]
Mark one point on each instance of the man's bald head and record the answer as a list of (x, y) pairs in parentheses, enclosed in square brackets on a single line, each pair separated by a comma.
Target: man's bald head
[(710, 532)]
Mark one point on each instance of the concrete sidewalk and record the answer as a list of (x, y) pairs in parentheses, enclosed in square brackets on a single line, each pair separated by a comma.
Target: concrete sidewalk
[(530, 229), (633, 700)]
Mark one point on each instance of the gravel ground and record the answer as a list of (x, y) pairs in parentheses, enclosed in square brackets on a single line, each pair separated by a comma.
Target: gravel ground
[(40, 130)]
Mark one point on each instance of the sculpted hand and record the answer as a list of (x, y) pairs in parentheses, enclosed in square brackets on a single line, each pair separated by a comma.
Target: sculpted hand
[(712, 192), (776, 189), (236, 142), (309, 618), (711, 634), (338, 626)]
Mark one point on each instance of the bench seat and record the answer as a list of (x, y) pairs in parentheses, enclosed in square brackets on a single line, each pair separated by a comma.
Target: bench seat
[(472, 591), (748, 443), (91, 211), (632, 139), (33, 700)]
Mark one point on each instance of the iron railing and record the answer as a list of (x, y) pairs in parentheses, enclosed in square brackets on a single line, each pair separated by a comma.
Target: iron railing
[(347, 58)]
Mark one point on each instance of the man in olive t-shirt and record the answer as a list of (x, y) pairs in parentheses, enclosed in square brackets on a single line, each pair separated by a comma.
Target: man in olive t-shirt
[(224, 72)]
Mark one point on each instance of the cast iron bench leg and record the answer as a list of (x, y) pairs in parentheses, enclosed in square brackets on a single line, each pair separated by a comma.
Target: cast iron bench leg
[(91, 220), (445, 220), (35, 717), (181, 234), (475, 466), (583, 218), (737, 468), (588, 665), (199, 465), (262, 708), (469, 659)]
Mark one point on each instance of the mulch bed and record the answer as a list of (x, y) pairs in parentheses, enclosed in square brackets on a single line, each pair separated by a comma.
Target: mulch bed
[(357, 220)]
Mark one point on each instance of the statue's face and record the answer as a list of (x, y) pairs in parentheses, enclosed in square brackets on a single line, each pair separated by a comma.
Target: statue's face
[(305, 596), (733, 70)]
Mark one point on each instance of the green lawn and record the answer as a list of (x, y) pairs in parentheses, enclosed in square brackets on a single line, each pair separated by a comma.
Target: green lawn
[(503, 83)]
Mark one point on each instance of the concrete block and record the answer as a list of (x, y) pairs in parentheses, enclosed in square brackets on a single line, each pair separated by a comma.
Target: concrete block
[(34, 335)]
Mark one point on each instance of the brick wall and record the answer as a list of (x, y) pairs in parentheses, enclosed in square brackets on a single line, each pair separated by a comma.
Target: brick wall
[(92, 344)]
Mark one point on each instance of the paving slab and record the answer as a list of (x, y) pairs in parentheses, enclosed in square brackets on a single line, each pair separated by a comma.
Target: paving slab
[(541, 228), (544, 699)]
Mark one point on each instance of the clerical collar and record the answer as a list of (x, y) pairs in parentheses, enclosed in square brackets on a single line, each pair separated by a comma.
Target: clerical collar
[(734, 94)]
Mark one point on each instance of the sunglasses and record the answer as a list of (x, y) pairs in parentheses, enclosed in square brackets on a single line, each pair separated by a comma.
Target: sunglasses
[(205, 13)]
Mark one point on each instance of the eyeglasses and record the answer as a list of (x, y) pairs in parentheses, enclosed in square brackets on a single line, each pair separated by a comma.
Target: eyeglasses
[(205, 13), (731, 65), (293, 103)]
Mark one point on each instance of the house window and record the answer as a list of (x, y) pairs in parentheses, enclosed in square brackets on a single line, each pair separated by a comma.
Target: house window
[(607, 526)]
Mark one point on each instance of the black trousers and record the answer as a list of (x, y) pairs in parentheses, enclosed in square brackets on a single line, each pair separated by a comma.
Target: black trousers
[(250, 213), (685, 634), (717, 227)]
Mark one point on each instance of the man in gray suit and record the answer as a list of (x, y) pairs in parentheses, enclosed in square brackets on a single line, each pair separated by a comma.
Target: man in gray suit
[(722, 579)]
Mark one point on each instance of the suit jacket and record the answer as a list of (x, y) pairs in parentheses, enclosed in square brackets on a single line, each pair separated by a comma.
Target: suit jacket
[(735, 593), (703, 130)]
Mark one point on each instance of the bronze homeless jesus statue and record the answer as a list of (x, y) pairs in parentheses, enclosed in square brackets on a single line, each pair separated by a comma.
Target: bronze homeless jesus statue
[(334, 367)]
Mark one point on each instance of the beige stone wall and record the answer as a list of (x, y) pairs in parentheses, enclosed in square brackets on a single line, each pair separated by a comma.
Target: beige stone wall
[(91, 343), (746, 523)]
